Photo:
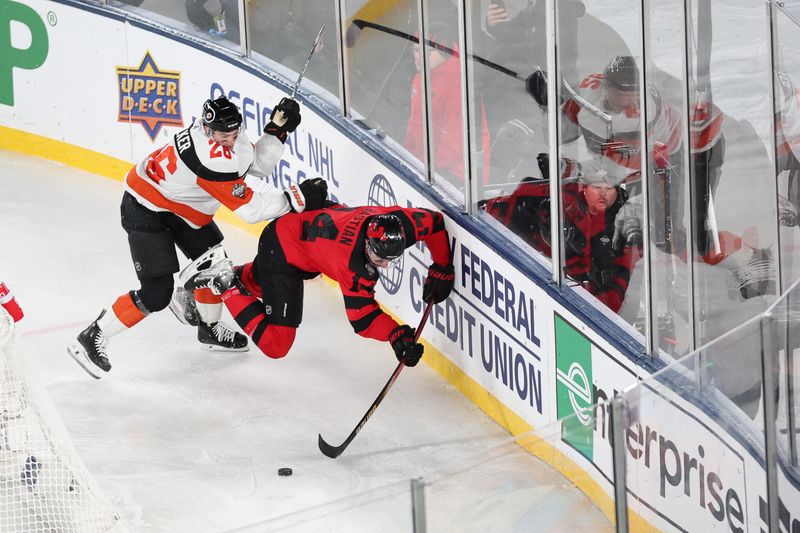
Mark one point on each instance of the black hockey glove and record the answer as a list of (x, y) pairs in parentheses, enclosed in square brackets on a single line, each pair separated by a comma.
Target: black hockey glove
[(402, 340), (439, 283), (284, 119), (316, 192), (536, 86)]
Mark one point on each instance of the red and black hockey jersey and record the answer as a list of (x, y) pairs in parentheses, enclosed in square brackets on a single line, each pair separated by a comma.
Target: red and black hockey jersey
[(332, 242)]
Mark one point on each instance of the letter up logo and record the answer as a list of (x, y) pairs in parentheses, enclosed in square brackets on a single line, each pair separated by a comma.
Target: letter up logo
[(574, 387), (29, 58), (149, 96)]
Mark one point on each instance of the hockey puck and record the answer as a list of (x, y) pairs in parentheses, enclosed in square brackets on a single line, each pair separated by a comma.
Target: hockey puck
[(284, 471)]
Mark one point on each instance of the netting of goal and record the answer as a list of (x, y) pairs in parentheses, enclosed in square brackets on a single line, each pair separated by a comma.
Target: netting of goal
[(44, 485)]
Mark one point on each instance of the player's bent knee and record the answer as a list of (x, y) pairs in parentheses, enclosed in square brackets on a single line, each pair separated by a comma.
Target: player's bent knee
[(277, 341), (156, 293)]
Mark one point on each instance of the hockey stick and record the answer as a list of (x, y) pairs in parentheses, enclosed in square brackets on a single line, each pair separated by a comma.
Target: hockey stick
[(360, 24), (335, 451), (308, 60)]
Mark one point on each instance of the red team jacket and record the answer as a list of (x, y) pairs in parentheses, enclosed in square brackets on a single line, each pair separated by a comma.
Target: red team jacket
[(331, 241), (446, 122), (590, 257)]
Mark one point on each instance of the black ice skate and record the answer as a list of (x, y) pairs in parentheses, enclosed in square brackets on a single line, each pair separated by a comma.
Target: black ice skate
[(89, 350), (219, 337), (183, 306)]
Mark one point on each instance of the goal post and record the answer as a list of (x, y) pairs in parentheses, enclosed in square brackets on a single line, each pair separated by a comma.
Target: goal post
[(44, 485)]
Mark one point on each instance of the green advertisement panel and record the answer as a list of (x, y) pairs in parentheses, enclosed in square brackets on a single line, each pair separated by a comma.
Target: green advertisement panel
[(574, 398), (30, 57)]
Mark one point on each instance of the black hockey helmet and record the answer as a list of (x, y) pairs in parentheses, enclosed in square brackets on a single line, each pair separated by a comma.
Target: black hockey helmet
[(386, 237), (623, 73), (221, 115)]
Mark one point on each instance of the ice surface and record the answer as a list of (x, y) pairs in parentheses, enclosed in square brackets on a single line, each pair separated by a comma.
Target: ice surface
[(183, 439)]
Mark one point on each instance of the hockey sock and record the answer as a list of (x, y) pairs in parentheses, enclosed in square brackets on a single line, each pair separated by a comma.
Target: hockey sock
[(248, 278), (274, 341), (209, 305), (124, 314)]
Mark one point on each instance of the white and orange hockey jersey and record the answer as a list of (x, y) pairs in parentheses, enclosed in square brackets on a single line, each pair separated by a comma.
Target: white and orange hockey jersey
[(619, 139), (193, 175)]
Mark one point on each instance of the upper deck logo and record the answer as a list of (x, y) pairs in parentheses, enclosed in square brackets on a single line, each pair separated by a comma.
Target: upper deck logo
[(149, 96)]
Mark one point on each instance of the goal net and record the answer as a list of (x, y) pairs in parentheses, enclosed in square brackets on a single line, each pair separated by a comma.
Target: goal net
[(44, 486)]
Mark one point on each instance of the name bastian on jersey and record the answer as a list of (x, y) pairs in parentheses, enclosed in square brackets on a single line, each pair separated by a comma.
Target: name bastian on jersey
[(192, 176)]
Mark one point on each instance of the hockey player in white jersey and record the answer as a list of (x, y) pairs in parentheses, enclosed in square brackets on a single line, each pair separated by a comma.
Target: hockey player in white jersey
[(787, 125), (605, 112), (169, 201)]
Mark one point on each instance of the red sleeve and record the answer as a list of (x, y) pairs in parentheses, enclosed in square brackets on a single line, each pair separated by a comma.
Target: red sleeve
[(364, 313), (427, 226), (413, 137), (571, 109), (447, 143)]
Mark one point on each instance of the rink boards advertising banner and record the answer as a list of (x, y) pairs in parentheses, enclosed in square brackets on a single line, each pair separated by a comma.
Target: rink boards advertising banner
[(509, 346)]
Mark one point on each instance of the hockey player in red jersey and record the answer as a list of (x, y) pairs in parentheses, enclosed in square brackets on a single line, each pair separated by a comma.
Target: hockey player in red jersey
[(349, 245), (169, 201)]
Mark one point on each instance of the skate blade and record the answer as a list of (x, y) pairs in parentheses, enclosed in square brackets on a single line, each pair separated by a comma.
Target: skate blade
[(215, 348), (178, 314), (77, 353)]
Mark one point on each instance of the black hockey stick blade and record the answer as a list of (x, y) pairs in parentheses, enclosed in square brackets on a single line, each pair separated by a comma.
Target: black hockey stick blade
[(335, 451)]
